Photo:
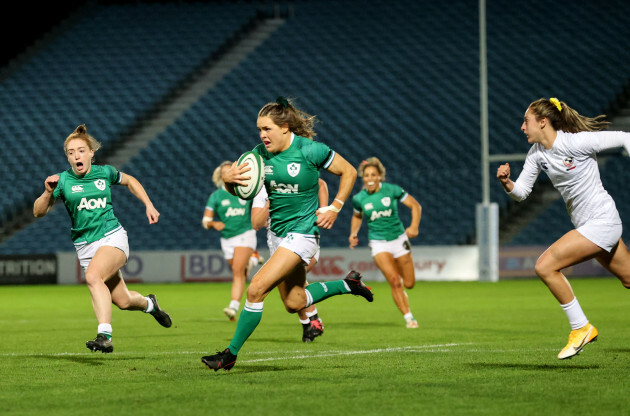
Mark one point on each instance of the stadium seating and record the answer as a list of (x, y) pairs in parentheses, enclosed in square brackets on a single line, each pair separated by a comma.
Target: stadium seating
[(397, 80), (107, 70)]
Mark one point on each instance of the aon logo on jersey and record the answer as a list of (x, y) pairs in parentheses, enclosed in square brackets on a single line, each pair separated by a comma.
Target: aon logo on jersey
[(92, 203), (235, 212), (379, 214), (284, 188)]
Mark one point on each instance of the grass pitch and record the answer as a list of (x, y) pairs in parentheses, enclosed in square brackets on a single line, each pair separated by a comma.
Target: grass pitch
[(482, 348)]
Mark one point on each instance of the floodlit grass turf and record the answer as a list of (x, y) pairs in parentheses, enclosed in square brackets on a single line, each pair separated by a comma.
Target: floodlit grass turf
[(482, 348)]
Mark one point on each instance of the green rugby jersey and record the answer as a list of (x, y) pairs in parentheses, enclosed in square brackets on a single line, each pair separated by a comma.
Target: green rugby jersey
[(292, 182), (88, 200), (381, 210), (231, 210)]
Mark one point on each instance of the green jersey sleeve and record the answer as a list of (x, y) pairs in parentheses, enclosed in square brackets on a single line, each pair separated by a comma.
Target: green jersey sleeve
[(213, 200), (398, 192), (113, 174), (319, 154)]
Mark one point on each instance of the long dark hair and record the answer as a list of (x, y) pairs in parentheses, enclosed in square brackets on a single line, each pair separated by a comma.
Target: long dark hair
[(284, 112)]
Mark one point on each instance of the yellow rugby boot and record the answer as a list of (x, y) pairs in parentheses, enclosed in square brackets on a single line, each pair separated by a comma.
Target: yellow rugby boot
[(578, 338)]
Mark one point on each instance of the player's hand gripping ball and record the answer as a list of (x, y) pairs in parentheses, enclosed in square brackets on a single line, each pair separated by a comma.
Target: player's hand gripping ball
[(256, 173)]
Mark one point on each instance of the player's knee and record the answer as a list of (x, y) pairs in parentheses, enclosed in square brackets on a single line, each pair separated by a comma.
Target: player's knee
[(395, 282), (255, 293), (410, 283), (92, 278), (541, 269), (626, 283), (294, 304), (292, 308)]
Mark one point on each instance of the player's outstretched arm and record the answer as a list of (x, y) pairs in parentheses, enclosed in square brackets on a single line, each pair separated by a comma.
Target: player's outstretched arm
[(42, 205), (355, 226), (326, 216), (136, 188), (416, 213)]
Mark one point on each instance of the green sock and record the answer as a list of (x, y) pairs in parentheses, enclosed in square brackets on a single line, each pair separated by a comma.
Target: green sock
[(316, 292), (248, 320)]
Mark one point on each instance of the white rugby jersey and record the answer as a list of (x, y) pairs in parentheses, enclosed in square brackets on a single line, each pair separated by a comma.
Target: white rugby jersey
[(260, 199), (571, 164)]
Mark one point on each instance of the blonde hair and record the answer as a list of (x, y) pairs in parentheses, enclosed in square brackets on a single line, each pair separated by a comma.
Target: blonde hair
[(81, 133), (374, 162), (562, 117), (284, 112), (216, 175)]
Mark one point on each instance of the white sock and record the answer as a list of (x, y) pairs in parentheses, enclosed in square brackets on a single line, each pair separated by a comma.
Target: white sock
[(105, 329), (253, 261), (408, 316), (309, 314), (305, 321), (149, 308), (235, 304), (254, 306), (574, 312)]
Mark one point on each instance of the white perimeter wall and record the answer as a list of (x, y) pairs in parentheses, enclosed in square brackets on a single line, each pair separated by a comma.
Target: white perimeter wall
[(432, 263)]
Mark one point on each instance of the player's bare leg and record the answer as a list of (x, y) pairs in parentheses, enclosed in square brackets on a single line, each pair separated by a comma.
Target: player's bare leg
[(387, 264)]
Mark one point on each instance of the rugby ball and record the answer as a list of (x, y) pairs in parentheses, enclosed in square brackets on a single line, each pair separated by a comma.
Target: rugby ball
[(257, 173)]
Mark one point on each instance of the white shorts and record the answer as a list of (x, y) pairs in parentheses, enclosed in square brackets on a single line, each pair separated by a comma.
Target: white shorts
[(117, 239), (398, 247), (247, 239), (603, 233), (270, 235), (304, 245)]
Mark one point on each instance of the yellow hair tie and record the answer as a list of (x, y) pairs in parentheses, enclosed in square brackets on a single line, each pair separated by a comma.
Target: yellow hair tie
[(555, 102)]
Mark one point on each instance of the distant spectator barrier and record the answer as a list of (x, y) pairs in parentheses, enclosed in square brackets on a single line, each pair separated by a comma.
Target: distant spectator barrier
[(28, 269), (432, 263)]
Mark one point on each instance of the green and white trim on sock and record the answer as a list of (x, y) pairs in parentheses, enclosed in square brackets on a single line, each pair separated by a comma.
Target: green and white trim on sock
[(248, 320), (105, 329), (150, 305), (316, 292)]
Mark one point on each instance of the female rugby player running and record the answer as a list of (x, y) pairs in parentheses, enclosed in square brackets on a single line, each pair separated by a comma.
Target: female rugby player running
[(101, 242), (389, 239), (292, 164), (565, 145)]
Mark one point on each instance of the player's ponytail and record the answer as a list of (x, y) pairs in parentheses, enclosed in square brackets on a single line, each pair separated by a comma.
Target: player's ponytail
[(562, 117)]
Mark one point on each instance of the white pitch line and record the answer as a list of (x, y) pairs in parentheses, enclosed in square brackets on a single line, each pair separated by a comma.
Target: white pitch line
[(410, 348), (337, 353)]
